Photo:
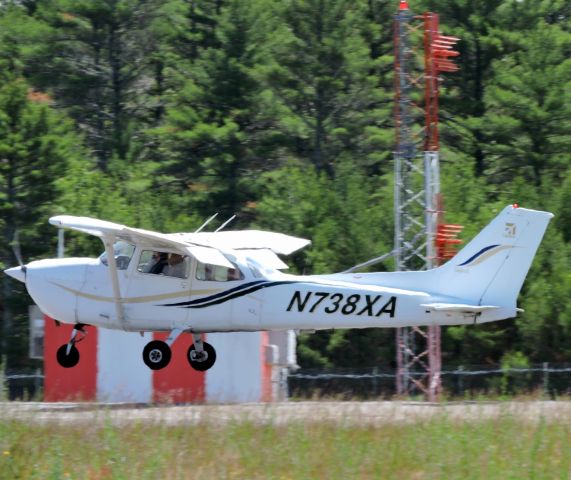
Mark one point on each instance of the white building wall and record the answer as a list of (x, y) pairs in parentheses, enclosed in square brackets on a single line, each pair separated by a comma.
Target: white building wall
[(237, 374), (121, 374)]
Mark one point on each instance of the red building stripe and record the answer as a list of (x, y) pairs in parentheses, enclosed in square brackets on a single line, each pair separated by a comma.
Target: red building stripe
[(69, 384), (178, 382), (266, 372)]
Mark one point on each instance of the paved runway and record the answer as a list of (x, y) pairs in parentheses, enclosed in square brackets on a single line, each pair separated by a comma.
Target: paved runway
[(348, 413)]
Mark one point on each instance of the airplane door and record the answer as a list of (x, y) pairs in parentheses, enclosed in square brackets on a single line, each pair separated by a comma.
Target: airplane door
[(221, 300), (156, 285)]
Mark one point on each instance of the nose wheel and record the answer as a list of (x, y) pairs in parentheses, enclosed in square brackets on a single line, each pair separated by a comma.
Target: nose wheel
[(67, 359), (68, 355)]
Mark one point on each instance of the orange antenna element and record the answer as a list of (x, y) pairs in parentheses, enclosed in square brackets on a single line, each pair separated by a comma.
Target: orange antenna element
[(438, 51), (447, 241)]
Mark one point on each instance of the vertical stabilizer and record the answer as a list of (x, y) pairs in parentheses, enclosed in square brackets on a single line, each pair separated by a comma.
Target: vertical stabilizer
[(491, 269)]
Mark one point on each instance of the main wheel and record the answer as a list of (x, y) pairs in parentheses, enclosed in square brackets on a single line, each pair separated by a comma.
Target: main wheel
[(204, 360), (157, 355), (67, 360)]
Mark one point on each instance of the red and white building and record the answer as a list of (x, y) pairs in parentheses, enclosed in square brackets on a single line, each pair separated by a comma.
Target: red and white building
[(250, 367)]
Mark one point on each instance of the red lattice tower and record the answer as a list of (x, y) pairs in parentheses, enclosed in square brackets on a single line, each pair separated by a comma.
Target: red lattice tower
[(417, 185)]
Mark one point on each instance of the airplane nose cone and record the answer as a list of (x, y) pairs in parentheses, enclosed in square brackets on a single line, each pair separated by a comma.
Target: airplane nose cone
[(18, 273)]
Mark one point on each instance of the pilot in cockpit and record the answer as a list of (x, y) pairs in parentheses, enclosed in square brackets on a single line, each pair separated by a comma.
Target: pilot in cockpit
[(158, 262)]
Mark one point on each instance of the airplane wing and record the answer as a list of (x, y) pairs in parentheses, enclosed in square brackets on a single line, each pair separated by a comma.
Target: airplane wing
[(249, 240), (101, 228), (206, 247), (92, 226)]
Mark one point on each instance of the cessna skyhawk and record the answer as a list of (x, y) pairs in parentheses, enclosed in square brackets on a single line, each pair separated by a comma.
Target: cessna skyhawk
[(229, 281)]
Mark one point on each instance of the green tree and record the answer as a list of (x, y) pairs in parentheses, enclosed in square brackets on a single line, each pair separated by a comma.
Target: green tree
[(528, 107), (323, 80), (213, 139), (36, 145), (476, 24), (201, 32), (95, 62)]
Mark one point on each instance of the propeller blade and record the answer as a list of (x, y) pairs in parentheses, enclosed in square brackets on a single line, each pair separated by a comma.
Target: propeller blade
[(16, 248), (18, 273)]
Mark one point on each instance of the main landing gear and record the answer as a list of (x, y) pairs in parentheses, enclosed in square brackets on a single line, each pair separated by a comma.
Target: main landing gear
[(157, 354), (68, 355), (201, 355)]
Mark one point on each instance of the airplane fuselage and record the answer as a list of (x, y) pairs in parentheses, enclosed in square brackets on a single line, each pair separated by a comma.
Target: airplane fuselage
[(78, 290)]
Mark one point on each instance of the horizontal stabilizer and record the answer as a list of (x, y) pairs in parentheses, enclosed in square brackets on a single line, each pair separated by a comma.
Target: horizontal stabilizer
[(458, 307)]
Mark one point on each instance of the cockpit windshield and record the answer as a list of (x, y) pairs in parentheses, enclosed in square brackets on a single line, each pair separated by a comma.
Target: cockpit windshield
[(123, 254)]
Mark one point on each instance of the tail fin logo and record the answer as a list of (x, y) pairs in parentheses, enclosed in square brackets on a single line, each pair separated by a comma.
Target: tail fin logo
[(510, 230), (484, 254)]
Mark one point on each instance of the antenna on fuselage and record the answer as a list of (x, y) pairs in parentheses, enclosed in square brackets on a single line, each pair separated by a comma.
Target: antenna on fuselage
[(225, 223), (206, 223)]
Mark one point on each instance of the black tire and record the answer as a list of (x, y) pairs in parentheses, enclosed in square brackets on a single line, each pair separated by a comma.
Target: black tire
[(157, 355), (67, 361), (205, 363)]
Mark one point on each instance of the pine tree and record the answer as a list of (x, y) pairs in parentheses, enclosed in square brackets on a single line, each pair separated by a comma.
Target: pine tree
[(476, 24), (95, 63), (323, 81), (36, 145), (212, 140), (529, 107)]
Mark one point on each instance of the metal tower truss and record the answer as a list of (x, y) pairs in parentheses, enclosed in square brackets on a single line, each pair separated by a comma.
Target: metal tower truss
[(417, 181)]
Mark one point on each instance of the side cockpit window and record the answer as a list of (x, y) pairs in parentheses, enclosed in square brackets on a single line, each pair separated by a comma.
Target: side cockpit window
[(217, 273), (164, 263), (123, 253)]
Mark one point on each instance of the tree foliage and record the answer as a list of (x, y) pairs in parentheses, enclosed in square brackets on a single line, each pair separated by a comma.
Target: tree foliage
[(160, 113)]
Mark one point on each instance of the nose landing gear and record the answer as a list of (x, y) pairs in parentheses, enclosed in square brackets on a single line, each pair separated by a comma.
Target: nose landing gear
[(68, 355)]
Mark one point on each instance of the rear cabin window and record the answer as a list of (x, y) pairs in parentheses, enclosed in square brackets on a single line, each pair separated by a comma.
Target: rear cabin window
[(217, 273)]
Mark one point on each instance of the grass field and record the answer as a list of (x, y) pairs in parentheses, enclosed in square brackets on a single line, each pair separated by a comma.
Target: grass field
[(503, 447)]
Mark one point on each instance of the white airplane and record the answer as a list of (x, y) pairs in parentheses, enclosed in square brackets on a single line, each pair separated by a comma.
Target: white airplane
[(231, 281)]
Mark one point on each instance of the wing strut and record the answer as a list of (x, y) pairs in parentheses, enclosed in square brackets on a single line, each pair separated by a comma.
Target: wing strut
[(108, 241)]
